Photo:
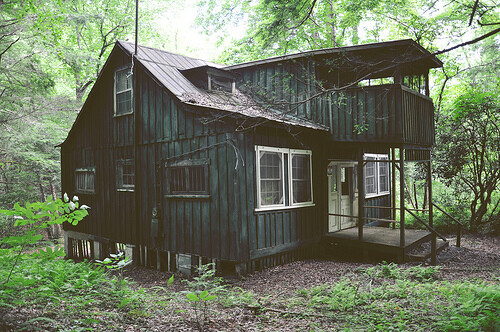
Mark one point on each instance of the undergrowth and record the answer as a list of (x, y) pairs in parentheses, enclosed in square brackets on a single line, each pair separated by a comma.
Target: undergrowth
[(388, 298), (63, 290)]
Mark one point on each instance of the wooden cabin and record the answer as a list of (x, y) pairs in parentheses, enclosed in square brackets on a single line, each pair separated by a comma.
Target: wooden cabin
[(184, 161)]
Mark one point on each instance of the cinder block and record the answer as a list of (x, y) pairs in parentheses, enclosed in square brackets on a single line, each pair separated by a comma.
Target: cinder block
[(184, 263)]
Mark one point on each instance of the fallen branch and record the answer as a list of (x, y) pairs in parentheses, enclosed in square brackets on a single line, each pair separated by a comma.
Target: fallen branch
[(262, 308)]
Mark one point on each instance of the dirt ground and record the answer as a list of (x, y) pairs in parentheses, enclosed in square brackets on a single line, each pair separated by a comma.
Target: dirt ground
[(477, 258), (166, 308)]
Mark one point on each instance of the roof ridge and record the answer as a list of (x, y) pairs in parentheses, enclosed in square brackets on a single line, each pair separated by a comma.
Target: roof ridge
[(168, 52), (329, 50)]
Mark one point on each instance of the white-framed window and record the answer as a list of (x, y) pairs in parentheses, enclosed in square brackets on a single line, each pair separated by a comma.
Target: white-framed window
[(125, 175), (376, 175), (123, 92), (85, 180), (284, 177), (301, 177)]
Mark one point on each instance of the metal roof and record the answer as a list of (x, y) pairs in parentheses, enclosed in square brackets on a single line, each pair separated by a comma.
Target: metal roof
[(167, 69), (408, 47)]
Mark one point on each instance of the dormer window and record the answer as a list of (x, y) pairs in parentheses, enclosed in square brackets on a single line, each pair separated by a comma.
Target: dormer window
[(123, 92), (219, 83), (211, 79)]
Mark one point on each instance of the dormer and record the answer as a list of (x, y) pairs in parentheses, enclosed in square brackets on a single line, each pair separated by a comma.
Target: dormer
[(211, 78)]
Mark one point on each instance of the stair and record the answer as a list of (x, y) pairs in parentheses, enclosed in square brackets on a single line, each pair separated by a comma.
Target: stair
[(423, 252)]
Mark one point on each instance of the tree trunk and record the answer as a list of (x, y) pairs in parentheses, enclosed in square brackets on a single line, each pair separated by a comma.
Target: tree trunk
[(334, 32), (57, 228), (424, 206), (409, 194), (43, 198), (415, 195)]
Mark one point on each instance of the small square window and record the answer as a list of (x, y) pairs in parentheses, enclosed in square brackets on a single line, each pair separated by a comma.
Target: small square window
[(85, 180), (189, 177), (125, 174)]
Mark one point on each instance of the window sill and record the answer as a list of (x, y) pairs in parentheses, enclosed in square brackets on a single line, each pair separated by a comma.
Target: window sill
[(187, 196), (377, 195), (123, 114), (287, 207), (84, 192)]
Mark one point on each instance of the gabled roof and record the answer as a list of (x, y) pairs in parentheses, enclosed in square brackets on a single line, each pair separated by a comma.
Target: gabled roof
[(167, 68), (405, 49)]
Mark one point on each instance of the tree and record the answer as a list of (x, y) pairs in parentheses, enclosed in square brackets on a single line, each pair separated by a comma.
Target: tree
[(468, 151), (47, 46), (87, 31)]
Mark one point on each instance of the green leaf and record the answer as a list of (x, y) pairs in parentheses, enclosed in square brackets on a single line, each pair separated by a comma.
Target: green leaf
[(203, 294), (170, 280), (192, 297)]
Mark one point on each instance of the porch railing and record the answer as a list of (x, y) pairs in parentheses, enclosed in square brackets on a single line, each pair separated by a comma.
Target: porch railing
[(459, 225)]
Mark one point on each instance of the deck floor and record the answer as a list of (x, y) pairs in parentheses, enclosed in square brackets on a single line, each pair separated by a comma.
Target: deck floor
[(380, 236)]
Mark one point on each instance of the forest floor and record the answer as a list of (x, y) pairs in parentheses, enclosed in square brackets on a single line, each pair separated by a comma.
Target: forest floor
[(275, 299), (330, 294)]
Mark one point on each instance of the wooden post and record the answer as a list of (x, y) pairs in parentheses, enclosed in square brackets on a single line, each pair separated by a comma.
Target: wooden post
[(431, 216), (401, 197), (361, 195), (393, 184)]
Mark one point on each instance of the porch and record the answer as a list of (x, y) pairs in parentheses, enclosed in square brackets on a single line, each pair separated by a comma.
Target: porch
[(382, 240)]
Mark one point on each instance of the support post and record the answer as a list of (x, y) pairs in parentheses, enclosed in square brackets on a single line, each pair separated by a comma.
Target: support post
[(401, 197), (361, 195), (68, 248), (97, 249), (393, 184), (431, 216)]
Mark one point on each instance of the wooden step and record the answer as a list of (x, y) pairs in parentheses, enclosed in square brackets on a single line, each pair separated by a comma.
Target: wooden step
[(425, 252)]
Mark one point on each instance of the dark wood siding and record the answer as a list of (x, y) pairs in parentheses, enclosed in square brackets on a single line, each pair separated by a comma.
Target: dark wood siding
[(281, 230), (98, 140), (389, 113)]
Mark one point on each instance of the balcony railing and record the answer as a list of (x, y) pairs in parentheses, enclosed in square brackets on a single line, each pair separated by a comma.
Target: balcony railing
[(384, 113)]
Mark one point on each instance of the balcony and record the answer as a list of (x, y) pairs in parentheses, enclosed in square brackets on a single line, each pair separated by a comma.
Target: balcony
[(389, 113)]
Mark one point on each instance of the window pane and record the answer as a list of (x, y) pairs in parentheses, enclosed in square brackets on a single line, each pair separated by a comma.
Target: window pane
[(271, 178), (188, 179), (123, 80), (383, 176), (124, 102), (125, 174), (301, 178), (84, 180), (370, 177)]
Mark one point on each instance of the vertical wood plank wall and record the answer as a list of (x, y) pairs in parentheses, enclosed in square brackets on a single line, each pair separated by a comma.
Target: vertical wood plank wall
[(97, 141), (223, 225), (388, 113)]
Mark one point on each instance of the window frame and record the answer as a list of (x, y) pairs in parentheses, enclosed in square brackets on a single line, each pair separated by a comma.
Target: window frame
[(260, 149), (85, 171), (115, 92), (120, 186), (204, 163), (376, 159), (290, 177), (287, 178)]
